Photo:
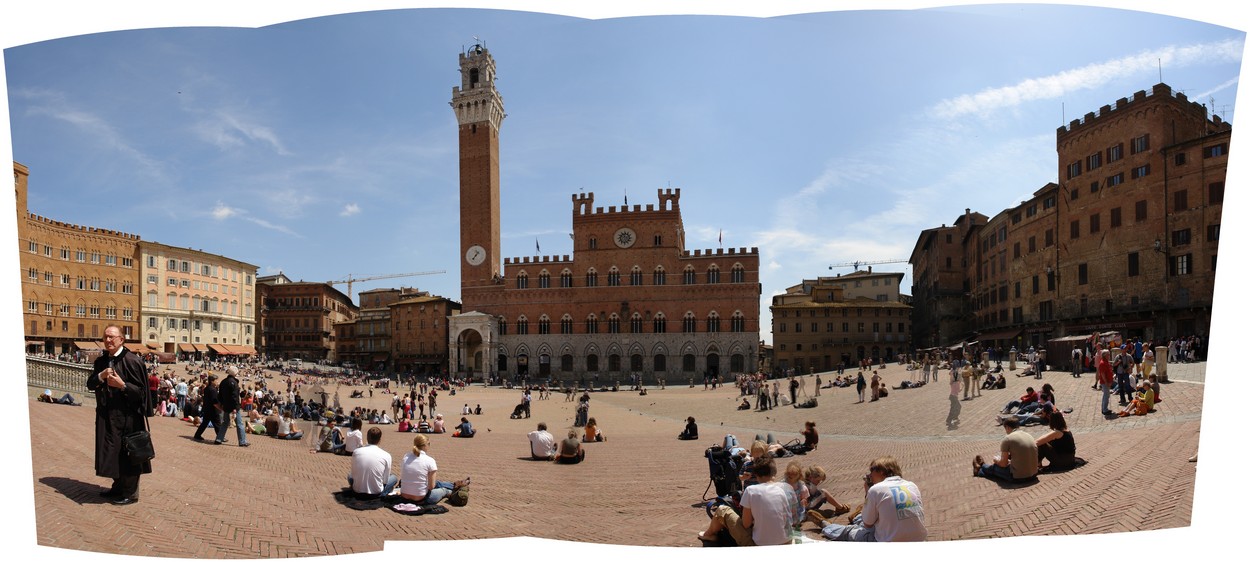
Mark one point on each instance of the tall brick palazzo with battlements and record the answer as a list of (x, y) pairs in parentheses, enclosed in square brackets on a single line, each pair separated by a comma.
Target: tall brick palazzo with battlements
[(631, 302)]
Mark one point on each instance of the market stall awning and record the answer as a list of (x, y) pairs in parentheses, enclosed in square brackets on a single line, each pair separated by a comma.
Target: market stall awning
[(1009, 334), (138, 348), (243, 350), (200, 347), (186, 348), (88, 345), (220, 349)]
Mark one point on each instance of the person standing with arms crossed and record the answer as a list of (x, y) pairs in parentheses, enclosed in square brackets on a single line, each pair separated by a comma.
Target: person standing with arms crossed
[(119, 380)]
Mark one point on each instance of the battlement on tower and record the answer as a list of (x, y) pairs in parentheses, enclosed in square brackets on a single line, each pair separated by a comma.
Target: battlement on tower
[(583, 204), (710, 252), (553, 261), (1160, 91)]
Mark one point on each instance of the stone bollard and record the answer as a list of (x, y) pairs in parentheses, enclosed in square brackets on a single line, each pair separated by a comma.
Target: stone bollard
[(1011, 359), (1161, 363), (985, 359)]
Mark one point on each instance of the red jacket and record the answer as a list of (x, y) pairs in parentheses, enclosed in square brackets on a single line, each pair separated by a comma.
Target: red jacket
[(1105, 376)]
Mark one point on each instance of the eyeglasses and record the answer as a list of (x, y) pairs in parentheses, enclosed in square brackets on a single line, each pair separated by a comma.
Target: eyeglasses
[(112, 338)]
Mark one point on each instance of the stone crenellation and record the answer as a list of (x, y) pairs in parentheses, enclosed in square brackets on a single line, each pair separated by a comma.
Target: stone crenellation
[(1121, 104), (669, 198), (86, 229)]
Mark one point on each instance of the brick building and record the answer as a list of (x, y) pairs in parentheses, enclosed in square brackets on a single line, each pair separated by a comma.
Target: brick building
[(824, 322), (631, 301), (297, 318), (1126, 241), (196, 304), (402, 330), (940, 308), (76, 280), (422, 324)]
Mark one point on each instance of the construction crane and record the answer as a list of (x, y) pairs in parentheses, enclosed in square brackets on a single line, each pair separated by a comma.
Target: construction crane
[(351, 279), (856, 264)]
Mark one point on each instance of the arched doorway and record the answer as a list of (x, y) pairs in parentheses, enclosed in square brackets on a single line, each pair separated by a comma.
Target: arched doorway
[(713, 364), (471, 353)]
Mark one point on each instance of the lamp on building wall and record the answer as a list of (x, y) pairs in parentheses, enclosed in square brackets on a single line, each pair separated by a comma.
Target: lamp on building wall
[(1160, 247)]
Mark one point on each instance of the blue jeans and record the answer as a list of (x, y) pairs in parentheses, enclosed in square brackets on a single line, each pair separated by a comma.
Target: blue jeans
[(221, 428), (855, 532), (1106, 398), (992, 470), (182, 403), (238, 425), (391, 480)]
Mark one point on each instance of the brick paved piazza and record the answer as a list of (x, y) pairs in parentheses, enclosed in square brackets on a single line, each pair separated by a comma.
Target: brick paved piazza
[(274, 498)]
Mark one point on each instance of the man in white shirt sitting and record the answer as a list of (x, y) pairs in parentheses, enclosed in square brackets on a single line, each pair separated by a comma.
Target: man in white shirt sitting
[(371, 475), (893, 511), (542, 443)]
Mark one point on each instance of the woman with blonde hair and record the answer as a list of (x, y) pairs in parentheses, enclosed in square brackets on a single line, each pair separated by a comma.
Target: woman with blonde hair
[(813, 477), (417, 476)]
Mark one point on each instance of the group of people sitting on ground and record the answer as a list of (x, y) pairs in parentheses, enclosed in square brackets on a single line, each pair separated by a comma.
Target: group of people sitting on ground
[(371, 476), (768, 511), (1021, 456), (1144, 398), (423, 425), (543, 444)]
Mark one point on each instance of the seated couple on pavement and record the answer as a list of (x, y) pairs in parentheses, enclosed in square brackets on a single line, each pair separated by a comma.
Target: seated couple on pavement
[(543, 446), (1017, 459), (892, 512)]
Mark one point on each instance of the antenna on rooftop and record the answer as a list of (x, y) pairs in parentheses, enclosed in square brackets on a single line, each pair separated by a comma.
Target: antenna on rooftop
[(1160, 70)]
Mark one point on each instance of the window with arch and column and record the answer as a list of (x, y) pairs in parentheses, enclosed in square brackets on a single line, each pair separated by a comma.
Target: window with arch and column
[(635, 324), (738, 274), (737, 322), (713, 274), (635, 276), (544, 325), (688, 323), (713, 323), (522, 280), (592, 278), (522, 326), (544, 280), (566, 324), (614, 324), (659, 324), (566, 278), (614, 277), (687, 275), (592, 324), (658, 277)]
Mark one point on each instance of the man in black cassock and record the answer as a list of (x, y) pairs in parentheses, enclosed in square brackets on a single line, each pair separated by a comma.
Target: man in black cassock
[(119, 379)]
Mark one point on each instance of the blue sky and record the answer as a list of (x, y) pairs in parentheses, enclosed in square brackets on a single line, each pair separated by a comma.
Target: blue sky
[(325, 147)]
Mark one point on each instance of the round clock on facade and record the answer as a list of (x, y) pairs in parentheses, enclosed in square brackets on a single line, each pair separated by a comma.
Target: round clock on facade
[(476, 255), (625, 237)]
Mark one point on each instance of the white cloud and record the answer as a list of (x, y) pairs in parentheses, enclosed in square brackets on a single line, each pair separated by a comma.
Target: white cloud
[(223, 212), (1086, 77), (228, 131), (350, 209)]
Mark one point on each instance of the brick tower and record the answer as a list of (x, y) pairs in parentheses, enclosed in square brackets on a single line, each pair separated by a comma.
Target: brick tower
[(479, 113)]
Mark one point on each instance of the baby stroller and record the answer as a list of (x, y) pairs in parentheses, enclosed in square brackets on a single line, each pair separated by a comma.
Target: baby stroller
[(518, 412), (725, 469)]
